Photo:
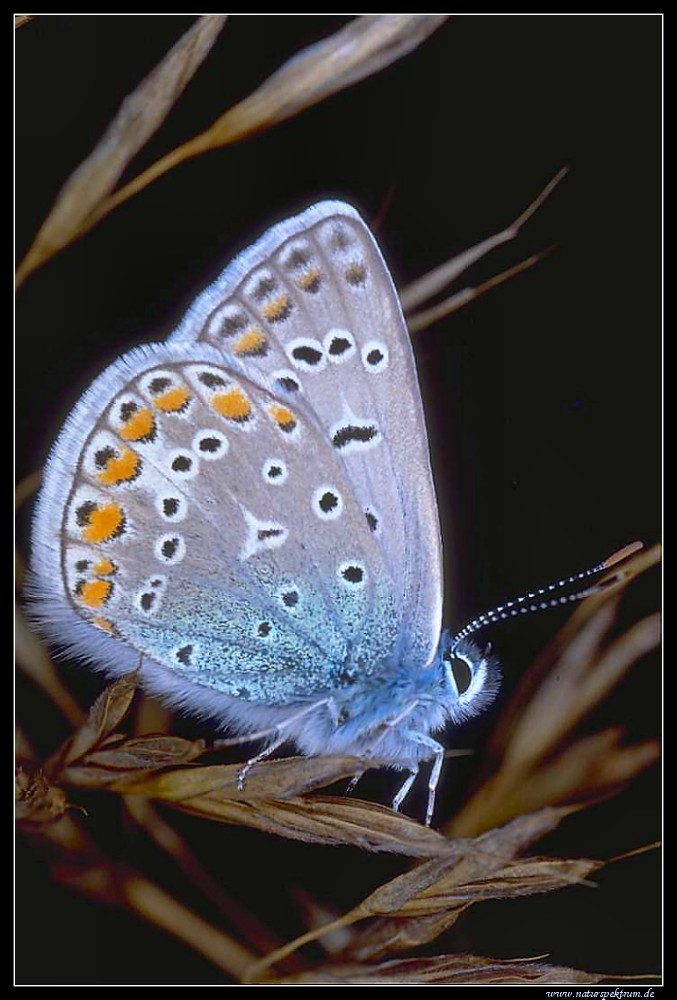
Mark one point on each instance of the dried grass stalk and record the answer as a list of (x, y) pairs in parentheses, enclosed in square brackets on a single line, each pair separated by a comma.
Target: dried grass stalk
[(441, 970), (364, 47), (435, 281), (140, 115), (437, 886), (529, 762)]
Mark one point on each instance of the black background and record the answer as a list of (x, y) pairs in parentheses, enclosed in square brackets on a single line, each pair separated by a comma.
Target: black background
[(543, 399)]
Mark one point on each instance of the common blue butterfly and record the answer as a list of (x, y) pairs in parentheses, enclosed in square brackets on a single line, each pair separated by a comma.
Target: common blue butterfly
[(249, 509)]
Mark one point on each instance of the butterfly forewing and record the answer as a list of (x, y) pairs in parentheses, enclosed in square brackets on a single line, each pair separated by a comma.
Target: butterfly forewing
[(210, 527), (310, 313)]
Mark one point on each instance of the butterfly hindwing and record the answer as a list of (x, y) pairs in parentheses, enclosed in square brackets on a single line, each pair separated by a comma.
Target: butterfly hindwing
[(310, 312)]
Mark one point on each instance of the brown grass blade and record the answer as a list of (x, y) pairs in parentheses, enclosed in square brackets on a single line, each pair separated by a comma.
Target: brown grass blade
[(82, 866), (36, 800), (21, 19), (325, 820), (25, 489), (106, 713), (420, 320), (529, 764), (364, 47), (424, 888), (159, 908), (413, 892), (435, 281), (37, 664), (143, 752), (140, 115), (441, 970), (273, 779), (516, 878), (172, 843)]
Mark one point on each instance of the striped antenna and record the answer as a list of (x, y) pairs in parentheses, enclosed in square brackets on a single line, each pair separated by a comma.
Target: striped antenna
[(544, 597)]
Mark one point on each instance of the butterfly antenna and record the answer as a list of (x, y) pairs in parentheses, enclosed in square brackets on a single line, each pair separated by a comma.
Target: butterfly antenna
[(545, 597)]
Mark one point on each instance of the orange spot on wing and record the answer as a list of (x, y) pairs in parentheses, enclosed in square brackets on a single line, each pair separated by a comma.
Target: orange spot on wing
[(283, 417), (277, 308), (104, 567), (120, 470), (95, 593), (356, 274), (103, 624), (140, 425), (172, 400), (232, 404), (104, 523), (310, 280), (252, 342)]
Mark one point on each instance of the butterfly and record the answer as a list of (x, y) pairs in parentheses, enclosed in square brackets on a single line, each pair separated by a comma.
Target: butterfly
[(248, 510)]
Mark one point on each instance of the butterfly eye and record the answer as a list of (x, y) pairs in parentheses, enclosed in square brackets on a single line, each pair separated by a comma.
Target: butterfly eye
[(461, 674)]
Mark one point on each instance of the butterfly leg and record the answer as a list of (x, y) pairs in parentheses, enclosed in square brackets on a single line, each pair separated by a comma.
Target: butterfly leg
[(352, 784), (404, 790), (281, 736), (255, 760), (433, 782), (438, 756)]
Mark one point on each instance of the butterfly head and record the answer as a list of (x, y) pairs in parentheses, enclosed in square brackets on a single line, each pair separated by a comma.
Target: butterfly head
[(469, 676)]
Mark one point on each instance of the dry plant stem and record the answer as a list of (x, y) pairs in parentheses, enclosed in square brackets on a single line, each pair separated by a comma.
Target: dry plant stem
[(325, 820), (365, 46), (27, 487), (21, 19), (432, 283), (528, 766), (166, 837), (410, 893), (420, 320), (97, 876), (151, 717), (387, 936), (441, 970), (139, 116), (36, 664), (164, 911)]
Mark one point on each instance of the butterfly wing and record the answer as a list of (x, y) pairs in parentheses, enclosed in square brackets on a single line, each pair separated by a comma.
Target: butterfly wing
[(310, 312), (188, 515)]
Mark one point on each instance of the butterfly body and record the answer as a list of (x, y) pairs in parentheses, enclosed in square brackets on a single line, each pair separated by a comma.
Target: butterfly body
[(248, 509)]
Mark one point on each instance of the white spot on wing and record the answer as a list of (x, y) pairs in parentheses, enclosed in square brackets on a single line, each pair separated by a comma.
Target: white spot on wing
[(327, 502), (375, 356), (261, 535), (339, 345)]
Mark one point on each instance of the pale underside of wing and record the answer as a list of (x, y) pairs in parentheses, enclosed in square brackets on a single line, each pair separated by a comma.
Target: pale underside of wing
[(195, 517), (310, 312)]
